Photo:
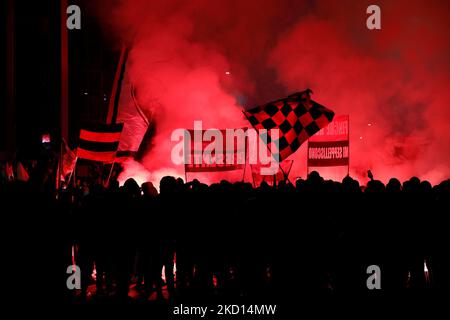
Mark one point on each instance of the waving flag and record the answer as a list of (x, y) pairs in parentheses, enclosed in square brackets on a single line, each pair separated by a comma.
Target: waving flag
[(68, 158), (99, 142), (135, 123), (22, 173), (124, 108), (9, 171), (297, 117)]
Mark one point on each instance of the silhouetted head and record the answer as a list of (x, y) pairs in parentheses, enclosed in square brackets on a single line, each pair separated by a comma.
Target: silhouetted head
[(347, 180), (299, 183), (264, 186), (314, 181), (375, 186), (314, 176), (167, 185), (444, 187), (131, 187), (415, 183), (412, 185), (425, 186), (393, 185), (149, 189), (350, 185), (225, 183), (180, 184)]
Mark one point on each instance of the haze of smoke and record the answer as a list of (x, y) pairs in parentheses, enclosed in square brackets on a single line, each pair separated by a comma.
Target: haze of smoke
[(395, 79)]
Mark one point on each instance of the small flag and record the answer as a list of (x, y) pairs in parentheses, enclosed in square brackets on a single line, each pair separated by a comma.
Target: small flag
[(281, 174), (68, 161), (9, 172), (297, 117), (22, 174), (99, 142)]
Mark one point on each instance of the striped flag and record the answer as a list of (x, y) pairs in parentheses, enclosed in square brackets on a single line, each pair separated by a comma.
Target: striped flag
[(99, 142)]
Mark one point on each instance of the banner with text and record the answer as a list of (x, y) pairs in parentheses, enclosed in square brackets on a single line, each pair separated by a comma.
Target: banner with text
[(330, 146), (224, 154)]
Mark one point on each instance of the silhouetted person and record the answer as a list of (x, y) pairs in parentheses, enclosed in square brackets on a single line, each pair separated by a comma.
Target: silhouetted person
[(169, 190), (127, 208)]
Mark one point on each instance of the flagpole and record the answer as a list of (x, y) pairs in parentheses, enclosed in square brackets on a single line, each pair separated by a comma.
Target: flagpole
[(348, 139), (75, 174), (9, 116), (282, 171), (73, 170), (112, 110), (246, 156), (307, 159), (60, 166), (64, 117), (109, 176)]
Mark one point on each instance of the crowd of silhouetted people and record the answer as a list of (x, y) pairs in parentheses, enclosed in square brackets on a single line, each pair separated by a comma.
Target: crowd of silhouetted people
[(229, 239)]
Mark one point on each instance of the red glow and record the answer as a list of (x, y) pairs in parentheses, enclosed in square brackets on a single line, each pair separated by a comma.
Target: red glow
[(46, 138), (397, 77)]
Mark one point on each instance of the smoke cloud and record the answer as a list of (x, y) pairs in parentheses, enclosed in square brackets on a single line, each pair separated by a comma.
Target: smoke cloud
[(207, 60)]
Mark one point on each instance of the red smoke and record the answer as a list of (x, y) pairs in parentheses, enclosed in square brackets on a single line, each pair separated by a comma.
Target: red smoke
[(396, 79)]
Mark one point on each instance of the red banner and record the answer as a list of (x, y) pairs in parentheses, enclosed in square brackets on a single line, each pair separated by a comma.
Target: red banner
[(330, 146), (214, 155)]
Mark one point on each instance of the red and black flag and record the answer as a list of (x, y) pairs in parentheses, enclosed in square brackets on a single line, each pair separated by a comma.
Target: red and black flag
[(297, 117), (99, 142)]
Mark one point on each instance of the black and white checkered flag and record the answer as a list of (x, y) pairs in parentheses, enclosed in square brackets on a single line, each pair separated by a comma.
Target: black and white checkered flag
[(297, 117)]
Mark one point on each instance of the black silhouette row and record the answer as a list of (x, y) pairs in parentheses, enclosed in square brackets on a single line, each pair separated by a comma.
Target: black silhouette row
[(230, 239)]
